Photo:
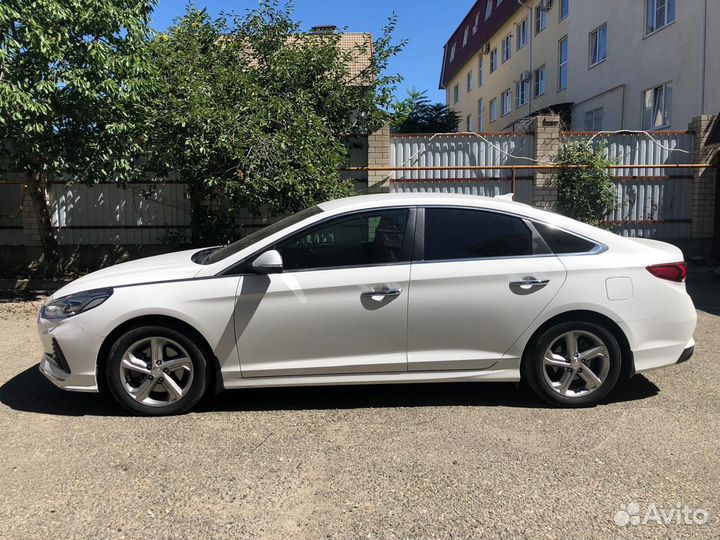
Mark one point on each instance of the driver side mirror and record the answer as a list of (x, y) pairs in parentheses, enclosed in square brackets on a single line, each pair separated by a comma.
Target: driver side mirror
[(269, 262)]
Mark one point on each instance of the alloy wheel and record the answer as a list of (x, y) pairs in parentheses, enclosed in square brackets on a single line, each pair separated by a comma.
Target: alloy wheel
[(156, 371), (576, 363)]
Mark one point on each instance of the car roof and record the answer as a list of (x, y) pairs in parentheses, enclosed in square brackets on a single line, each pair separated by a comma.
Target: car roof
[(452, 199), (501, 204)]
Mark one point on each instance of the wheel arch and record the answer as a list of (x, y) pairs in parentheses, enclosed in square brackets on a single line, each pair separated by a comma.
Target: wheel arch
[(158, 320), (628, 362)]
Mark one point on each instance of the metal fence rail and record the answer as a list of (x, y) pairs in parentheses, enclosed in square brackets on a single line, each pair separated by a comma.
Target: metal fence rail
[(653, 180), (427, 152)]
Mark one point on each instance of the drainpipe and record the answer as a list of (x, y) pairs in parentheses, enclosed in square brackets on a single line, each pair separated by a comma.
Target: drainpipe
[(531, 30), (703, 46)]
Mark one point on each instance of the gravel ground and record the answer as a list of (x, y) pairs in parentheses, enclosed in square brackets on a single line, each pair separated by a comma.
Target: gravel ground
[(404, 461)]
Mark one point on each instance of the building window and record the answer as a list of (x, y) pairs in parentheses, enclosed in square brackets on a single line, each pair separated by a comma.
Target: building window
[(539, 81), (481, 115), (594, 119), (477, 23), (466, 35), (488, 9), (506, 48), (481, 72), (506, 98), (564, 9), (659, 14), (522, 34), (493, 109), (469, 81), (656, 106), (499, 2), (493, 60), (598, 45), (522, 88), (563, 63), (540, 19), (456, 93), (468, 121), (452, 52)]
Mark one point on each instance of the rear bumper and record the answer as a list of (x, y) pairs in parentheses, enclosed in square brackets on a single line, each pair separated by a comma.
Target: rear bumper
[(686, 354)]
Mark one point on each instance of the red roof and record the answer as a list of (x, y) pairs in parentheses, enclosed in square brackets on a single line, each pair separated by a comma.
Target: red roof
[(485, 30)]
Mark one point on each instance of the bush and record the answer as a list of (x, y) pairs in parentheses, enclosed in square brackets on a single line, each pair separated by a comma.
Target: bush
[(585, 190)]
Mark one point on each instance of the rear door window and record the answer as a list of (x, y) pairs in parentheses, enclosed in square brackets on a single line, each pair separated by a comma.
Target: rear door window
[(458, 233)]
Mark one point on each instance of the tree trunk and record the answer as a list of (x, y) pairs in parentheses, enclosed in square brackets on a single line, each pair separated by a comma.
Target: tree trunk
[(36, 189)]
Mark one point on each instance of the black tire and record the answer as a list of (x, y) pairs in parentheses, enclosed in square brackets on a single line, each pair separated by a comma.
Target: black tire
[(532, 369), (196, 387)]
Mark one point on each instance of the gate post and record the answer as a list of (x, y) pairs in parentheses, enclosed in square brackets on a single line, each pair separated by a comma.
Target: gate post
[(702, 209), (31, 228), (379, 156), (546, 131)]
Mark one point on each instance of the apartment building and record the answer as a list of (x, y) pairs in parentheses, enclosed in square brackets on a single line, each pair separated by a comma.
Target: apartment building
[(601, 64)]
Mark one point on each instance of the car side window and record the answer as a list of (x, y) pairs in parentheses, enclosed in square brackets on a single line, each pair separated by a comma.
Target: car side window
[(561, 242), (363, 239), (456, 233)]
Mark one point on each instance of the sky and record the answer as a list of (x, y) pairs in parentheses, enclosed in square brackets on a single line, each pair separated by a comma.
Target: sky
[(426, 24)]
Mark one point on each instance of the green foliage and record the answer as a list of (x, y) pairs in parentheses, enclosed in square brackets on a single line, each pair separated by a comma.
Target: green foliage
[(252, 113), (585, 190), (74, 81), (416, 114), (75, 76)]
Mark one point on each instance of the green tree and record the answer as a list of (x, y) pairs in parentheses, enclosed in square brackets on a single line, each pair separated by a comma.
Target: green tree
[(253, 113), (75, 76), (416, 114), (585, 190)]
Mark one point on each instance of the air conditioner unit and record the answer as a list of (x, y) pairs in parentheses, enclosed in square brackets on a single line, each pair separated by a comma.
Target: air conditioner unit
[(545, 5), (485, 48), (525, 76)]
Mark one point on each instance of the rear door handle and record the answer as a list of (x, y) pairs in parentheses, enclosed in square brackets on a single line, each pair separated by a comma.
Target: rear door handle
[(530, 282), (382, 292)]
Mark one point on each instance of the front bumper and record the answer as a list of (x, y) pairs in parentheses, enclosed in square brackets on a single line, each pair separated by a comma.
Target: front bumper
[(76, 370), (62, 379)]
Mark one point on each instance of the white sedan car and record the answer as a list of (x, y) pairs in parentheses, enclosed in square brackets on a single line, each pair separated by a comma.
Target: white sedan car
[(377, 289)]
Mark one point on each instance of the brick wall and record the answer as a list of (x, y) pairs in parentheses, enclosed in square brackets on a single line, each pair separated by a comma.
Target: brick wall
[(546, 131), (379, 156), (31, 231), (702, 209)]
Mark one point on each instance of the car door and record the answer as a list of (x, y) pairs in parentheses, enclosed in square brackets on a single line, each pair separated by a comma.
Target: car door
[(479, 281), (340, 304)]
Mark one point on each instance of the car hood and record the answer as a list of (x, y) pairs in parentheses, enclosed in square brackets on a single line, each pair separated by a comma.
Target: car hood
[(171, 266)]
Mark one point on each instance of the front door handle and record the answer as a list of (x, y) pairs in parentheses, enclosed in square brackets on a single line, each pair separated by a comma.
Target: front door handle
[(530, 282), (382, 292)]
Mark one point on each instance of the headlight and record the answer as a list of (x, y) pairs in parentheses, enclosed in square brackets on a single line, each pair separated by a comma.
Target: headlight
[(68, 306)]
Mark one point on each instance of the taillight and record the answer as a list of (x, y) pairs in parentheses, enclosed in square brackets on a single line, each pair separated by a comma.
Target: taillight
[(676, 272)]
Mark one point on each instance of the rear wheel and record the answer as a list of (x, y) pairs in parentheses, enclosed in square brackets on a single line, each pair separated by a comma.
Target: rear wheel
[(573, 364), (156, 371)]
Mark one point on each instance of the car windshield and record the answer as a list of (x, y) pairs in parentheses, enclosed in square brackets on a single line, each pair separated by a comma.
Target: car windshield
[(225, 251)]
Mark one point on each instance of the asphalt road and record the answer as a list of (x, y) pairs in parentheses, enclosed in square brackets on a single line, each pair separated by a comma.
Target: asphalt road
[(426, 461)]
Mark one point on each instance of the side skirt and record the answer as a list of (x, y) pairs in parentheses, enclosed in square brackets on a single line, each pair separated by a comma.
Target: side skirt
[(489, 375)]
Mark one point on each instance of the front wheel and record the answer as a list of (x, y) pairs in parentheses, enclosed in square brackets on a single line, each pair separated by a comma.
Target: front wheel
[(156, 371), (573, 364)]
